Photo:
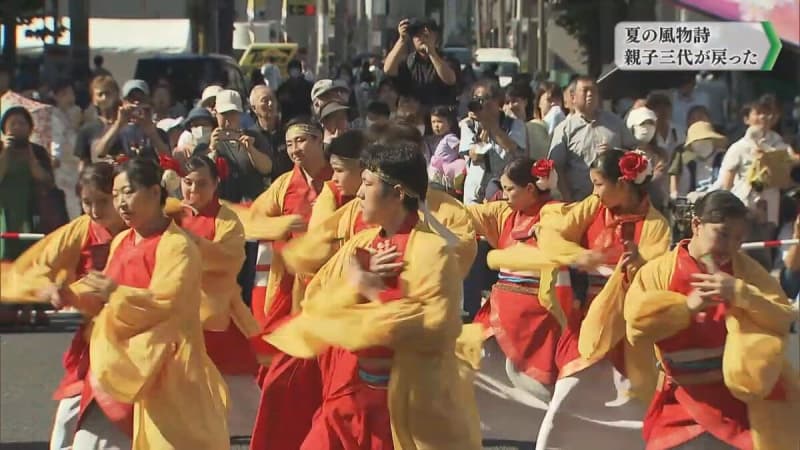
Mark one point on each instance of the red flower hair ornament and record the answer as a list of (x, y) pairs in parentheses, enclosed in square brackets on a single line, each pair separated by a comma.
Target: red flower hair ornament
[(544, 170), (171, 179), (635, 167), (222, 167)]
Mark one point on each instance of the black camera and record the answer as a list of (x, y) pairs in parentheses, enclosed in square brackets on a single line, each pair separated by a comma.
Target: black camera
[(417, 26), (476, 104), (17, 143)]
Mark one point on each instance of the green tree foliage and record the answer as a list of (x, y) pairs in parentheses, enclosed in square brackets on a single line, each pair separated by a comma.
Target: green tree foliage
[(24, 12)]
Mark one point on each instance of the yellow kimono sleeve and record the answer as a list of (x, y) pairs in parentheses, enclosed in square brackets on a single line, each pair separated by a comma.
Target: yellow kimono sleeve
[(521, 258), (604, 326), (556, 242), (527, 258), (243, 319), (265, 220), (754, 359), (760, 296), (133, 335), (323, 296), (58, 253), (222, 260), (558, 233), (82, 299), (562, 227), (173, 208), (324, 206), (432, 317), (337, 317), (488, 220), (757, 324), (225, 252), (652, 312), (454, 224), (306, 254)]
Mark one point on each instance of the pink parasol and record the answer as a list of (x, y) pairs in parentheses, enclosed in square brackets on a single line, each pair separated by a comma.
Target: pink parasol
[(42, 116)]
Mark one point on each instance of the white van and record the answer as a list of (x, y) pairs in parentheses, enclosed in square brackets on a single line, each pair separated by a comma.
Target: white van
[(503, 60)]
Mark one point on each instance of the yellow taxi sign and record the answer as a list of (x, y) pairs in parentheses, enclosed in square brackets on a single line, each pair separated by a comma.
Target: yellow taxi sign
[(258, 54)]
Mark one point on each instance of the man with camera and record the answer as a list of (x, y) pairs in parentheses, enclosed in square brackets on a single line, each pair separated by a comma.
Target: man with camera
[(244, 151), (425, 71), (489, 138), (133, 133)]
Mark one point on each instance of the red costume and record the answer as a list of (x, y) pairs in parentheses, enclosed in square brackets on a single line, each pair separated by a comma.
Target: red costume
[(132, 266)]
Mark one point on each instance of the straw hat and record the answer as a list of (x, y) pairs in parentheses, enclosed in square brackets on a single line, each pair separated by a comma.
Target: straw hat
[(704, 130)]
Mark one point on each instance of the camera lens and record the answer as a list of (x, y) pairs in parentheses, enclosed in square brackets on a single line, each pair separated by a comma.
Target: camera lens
[(475, 105)]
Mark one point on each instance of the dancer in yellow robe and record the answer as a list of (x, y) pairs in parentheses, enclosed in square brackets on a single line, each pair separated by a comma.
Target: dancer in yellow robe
[(147, 357), (610, 235), (62, 257), (400, 316), (335, 220), (228, 323), (719, 322)]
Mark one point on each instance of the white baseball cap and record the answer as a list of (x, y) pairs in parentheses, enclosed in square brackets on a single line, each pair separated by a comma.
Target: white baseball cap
[(228, 100), (209, 93)]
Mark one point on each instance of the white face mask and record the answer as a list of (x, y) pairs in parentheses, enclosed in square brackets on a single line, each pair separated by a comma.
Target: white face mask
[(421, 129), (703, 148), (201, 134), (294, 73), (644, 133), (369, 122)]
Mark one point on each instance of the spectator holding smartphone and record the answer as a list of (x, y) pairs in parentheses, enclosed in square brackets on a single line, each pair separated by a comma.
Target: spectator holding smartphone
[(244, 151), (133, 133)]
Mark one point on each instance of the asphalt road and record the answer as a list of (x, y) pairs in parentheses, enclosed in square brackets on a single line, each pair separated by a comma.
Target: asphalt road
[(30, 368)]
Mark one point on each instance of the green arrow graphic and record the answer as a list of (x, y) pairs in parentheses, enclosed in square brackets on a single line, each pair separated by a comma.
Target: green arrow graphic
[(775, 46)]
